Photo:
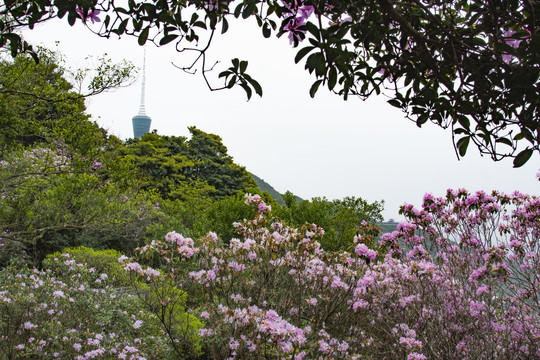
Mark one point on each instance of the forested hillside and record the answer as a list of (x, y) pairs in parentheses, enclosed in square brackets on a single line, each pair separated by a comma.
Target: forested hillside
[(66, 182), (264, 186), (164, 248)]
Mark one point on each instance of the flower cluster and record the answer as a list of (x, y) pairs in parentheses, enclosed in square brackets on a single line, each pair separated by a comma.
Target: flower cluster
[(64, 313), (459, 274), (298, 15)]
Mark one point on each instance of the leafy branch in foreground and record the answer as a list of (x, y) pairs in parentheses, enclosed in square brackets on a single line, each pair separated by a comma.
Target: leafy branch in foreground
[(466, 65)]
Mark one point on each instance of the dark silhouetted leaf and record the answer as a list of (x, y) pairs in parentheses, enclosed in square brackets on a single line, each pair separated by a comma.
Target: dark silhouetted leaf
[(314, 88), (462, 145), (144, 36), (522, 157)]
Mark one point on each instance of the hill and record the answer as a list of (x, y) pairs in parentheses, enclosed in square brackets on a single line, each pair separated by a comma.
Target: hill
[(264, 186)]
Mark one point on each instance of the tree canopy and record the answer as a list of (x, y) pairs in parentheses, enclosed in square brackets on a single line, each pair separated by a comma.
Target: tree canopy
[(44, 102), (468, 65), (185, 169)]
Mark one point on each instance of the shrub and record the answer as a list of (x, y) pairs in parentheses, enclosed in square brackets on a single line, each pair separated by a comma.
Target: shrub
[(76, 315), (457, 281), (102, 261)]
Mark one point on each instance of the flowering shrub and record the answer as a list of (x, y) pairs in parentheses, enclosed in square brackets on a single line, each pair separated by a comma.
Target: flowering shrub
[(102, 261), (274, 293), (487, 274), (72, 313)]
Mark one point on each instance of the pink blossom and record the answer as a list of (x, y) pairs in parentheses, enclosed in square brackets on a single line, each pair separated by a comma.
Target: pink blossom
[(137, 324), (363, 250), (92, 15), (312, 301)]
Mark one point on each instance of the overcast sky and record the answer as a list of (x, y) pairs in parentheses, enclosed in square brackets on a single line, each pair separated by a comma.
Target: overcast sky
[(313, 147)]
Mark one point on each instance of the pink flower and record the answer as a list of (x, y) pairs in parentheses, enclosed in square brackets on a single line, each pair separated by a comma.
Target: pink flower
[(363, 250), (205, 315), (58, 293), (92, 16), (312, 301), (137, 324)]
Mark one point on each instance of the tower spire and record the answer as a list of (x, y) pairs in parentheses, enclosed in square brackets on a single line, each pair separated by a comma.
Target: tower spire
[(142, 109), (141, 122)]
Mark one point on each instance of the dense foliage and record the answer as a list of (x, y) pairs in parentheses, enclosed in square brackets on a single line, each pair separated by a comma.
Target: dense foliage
[(457, 280), (468, 65), (72, 312), (341, 219), (44, 102), (49, 201), (181, 168), (64, 182), (466, 288)]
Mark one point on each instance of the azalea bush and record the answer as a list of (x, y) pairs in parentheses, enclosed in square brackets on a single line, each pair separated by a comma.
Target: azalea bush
[(102, 261), (456, 281), (70, 312)]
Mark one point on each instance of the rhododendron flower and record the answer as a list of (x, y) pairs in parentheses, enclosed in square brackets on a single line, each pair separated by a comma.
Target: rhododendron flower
[(92, 15), (205, 315), (312, 301), (138, 324), (416, 356), (363, 250), (58, 293)]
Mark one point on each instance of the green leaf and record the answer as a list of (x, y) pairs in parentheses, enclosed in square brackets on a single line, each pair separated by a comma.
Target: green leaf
[(462, 145), (167, 39), (71, 19), (144, 36), (314, 30), (422, 119), (266, 30), (505, 141), (232, 82), (248, 10), (247, 89), (122, 28), (256, 85), (522, 157), (200, 24), (238, 10), (243, 66), (394, 102), (313, 61), (224, 26), (332, 78), (464, 121), (314, 88), (302, 52)]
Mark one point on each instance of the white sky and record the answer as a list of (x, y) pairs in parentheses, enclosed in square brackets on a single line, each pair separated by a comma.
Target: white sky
[(313, 147)]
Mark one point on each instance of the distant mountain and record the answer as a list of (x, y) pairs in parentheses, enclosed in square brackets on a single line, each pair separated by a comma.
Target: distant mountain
[(388, 226), (264, 186)]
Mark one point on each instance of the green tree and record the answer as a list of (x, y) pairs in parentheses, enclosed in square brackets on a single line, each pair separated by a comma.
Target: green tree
[(48, 202), (340, 219), (184, 169), (39, 105), (468, 65), (214, 165)]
